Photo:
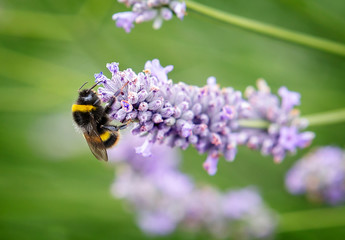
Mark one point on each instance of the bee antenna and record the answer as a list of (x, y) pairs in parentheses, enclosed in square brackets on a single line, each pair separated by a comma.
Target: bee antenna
[(82, 86), (94, 85)]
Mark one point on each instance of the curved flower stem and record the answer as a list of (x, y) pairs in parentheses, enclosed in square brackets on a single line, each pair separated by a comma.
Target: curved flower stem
[(301, 220), (317, 119), (270, 30)]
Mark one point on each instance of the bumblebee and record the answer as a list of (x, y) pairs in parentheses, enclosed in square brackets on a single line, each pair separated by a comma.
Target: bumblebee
[(92, 118)]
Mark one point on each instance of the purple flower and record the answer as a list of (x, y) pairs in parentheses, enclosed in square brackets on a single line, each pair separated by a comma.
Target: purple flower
[(179, 8), (239, 203), (113, 67), (147, 10), (246, 203), (145, 149), (125, 20), (282, 134), (129, 147), (166, 14), (320, 175), (289, 138), (210, 165), (157, 223), (157, 70), (208, 118), (165, 199), (289, 99)]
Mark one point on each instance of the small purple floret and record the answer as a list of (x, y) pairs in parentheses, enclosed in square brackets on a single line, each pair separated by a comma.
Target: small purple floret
[(113, 67), (125, 20), (288, 138), (126, 106), (157, 70), (289, 99), (210, 165), (145, 149)]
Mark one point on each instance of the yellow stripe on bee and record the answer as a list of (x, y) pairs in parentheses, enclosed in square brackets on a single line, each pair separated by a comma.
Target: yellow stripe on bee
[(82, 108), (105, 136)]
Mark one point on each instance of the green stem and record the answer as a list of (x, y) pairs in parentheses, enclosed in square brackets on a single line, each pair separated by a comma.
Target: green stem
[(270, 30), (254, 123), (312, 219), (325, 118), (317, 119)]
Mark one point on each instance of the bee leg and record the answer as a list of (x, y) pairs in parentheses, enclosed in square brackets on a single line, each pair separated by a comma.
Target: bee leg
[(107, 108), (110, 103), (115, 128)]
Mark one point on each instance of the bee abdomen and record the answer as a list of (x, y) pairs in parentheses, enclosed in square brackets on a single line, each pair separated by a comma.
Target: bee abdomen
[(109, 138)]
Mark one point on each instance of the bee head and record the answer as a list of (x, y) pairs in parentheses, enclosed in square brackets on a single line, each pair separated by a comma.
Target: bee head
[(87, 96)]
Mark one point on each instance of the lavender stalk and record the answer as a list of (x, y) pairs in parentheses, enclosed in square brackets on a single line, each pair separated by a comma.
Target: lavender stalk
[(207, 118)]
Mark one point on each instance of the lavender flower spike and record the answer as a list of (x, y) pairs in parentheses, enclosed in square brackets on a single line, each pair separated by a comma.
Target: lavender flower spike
[(207, 118), (283, 133), (320, 175), (147, 10), (164, 199)]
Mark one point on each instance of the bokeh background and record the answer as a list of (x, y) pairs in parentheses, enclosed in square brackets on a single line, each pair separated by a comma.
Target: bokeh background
[(51, 187)]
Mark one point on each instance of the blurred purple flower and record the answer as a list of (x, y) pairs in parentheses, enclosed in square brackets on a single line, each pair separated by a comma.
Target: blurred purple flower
[(125, 20), (320, 175), (156, 223), (147, 10), (289, 99), (238, 203), (210, 165), (208, 118), (283, 134), (289, 138), (164, 199)]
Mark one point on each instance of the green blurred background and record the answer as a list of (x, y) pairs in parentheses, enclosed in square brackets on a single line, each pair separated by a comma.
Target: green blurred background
[(53, 188)]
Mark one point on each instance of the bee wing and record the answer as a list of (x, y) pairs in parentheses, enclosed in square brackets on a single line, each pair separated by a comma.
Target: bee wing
[(95, 143)]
